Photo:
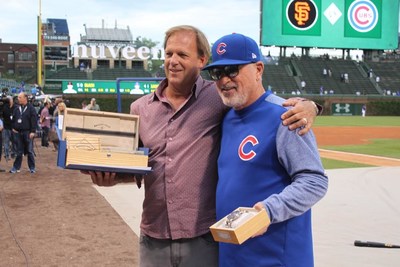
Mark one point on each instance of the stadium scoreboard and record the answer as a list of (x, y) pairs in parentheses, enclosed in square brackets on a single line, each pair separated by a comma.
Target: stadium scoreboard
[(108, 87), (356, 24)]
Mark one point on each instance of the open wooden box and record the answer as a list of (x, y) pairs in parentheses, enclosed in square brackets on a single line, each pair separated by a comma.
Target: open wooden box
[(250, 222), (101, 141)]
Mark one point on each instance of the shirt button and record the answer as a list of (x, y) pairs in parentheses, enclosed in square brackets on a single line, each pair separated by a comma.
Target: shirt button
[(170, 201), (170, 181), (170, 139), (169, 159)]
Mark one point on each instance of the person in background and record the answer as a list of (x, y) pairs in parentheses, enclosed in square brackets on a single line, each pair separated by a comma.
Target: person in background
[(180, 123), (53, 108), (24, 124), (262, 164), (56, 130), (93, 105), (1, 142), (84, 105), (303, 85), (45, 123), (324, 72), (363, 110), (10, 148), (33, 91)]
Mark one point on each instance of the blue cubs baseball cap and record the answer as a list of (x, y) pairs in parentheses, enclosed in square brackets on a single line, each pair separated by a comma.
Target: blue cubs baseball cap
[(234, 49)]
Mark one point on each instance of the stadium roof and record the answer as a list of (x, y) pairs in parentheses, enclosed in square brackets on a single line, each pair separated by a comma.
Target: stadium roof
[(108, 34)]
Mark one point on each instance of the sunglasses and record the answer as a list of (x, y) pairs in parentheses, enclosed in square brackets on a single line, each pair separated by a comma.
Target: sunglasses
[(230, 71)]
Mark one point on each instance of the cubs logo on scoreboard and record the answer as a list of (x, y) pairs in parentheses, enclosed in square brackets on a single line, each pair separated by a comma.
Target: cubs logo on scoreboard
[(363, 18), (301, 17)]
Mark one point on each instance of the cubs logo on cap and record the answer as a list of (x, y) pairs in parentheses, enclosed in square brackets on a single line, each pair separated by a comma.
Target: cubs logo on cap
[(234, 49)]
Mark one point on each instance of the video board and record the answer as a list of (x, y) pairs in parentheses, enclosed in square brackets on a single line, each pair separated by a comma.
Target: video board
[(108, 87), (55, 53), (356, 24)]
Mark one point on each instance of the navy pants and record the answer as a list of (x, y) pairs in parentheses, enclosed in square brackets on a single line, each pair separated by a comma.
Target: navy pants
[(24, 147)]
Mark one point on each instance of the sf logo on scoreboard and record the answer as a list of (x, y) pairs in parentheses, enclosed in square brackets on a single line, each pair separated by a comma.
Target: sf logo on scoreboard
[(302, 14), (301, 17)]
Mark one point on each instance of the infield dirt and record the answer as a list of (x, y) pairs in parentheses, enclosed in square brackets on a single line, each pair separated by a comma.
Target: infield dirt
[(337, 136)]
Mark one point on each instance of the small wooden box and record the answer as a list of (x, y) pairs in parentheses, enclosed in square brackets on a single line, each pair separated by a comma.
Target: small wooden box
[(242, 229), (102, 141)]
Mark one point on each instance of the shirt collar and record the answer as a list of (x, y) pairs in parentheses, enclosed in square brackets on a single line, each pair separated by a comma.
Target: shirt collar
[(157, 95)]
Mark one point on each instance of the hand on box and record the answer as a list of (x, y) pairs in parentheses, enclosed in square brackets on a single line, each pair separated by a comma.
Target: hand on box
[(260, 206), (111, 178), (102, 178)]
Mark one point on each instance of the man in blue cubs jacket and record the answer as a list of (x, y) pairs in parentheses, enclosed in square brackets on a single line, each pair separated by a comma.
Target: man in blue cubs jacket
[(262, 164)]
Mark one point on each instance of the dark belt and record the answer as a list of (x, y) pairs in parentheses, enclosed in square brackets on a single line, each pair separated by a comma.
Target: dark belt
[(207, 235)]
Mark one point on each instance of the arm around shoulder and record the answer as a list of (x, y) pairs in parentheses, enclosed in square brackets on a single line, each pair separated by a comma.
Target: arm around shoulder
[(302, 115)]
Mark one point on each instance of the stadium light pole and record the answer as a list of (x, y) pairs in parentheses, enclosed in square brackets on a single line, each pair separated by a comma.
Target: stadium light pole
[(39, 47)]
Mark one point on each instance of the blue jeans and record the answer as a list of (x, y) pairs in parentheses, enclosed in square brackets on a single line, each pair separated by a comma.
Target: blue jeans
[(24, 146), (8, 137)]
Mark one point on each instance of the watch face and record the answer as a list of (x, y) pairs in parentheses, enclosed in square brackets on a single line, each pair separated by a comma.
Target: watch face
[(233, 216)]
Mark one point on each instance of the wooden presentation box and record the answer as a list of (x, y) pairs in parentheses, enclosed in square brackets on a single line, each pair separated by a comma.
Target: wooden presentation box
[(249, 223), (101, 141)]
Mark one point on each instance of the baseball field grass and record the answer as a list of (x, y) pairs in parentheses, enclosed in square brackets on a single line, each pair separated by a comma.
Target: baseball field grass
[(371, 121), (338, 164), (377, 147)]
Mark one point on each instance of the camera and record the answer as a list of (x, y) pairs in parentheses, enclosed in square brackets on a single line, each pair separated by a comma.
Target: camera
[(3, 100)]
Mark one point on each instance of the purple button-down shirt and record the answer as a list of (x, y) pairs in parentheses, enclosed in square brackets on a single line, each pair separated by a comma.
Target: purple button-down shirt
[(46, 117), (184, 146)]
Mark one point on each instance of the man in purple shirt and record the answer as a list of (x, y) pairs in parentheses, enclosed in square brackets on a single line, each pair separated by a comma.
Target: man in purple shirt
[(181, 124), (45, 123)]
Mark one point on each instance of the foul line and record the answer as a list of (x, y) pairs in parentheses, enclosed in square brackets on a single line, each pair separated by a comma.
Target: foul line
[(359, 158)]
